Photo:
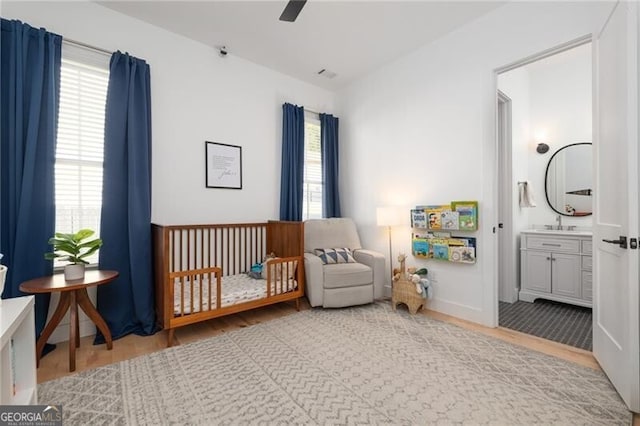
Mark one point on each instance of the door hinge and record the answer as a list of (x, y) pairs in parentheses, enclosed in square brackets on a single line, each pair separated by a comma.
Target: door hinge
[(633, 243)]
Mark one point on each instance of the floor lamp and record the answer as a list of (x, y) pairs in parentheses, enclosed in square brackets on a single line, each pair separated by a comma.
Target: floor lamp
[(389, 217)]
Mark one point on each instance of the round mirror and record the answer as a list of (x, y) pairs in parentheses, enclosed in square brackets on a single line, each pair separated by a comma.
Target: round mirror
[(568, 180)]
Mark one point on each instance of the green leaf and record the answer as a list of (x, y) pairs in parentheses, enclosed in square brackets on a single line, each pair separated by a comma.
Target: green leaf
[(89, 253), (65, 237), (51, 256), (82, 234), (91, 244)]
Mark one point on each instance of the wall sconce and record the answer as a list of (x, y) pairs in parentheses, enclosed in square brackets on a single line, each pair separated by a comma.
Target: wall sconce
[(542, 148)]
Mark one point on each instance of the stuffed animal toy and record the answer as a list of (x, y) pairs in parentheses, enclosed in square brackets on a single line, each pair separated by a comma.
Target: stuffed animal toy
[(423, 286), (416, 280)]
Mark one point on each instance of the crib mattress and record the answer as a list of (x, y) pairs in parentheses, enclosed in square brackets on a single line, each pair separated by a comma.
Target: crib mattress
[(235, 289)]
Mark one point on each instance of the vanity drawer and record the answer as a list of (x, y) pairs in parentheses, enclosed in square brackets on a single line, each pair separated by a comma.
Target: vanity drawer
[(586, 263), (586, 247), (587, 286), (553, 244)]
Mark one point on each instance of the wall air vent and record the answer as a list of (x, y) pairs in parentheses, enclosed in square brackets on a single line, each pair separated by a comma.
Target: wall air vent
[(326, 73)]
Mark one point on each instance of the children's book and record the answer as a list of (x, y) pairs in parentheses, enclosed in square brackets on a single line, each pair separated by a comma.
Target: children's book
[(418, 218), (434, 216), (420, 247), (467, 214), (462, 254), (441, 251), (449, 220)]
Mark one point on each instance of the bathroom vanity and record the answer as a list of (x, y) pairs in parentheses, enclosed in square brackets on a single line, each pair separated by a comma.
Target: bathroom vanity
[(556, 265)]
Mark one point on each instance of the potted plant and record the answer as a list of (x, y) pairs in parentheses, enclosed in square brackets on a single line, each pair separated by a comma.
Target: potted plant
[(73, 248)]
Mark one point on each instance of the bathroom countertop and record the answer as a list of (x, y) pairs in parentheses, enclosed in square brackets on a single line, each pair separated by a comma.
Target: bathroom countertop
[(563, 232)]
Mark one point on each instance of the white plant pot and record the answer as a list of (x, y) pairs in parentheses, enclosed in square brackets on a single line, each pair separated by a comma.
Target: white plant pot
[(3, 276), (75, 271)]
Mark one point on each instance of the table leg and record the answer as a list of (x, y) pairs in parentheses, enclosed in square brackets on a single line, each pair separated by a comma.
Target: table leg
[(92, 313), (73, 331), (61, 309), (78, 331)]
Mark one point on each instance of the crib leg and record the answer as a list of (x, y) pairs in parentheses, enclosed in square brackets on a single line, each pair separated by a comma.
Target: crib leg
[(298, 304), (170, 337)]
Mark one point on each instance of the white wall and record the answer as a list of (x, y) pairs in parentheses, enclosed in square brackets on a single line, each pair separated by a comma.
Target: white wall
[(422, 130), (196, 97)]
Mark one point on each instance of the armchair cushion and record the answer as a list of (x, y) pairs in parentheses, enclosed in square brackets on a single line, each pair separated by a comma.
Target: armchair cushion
[(347, 275), (335, 255)]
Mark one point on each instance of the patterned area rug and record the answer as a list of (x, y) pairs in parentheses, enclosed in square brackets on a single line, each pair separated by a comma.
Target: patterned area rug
[(364, 365), (560, 322)]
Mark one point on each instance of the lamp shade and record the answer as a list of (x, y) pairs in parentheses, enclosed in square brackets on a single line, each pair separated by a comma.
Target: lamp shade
[(390, 216)]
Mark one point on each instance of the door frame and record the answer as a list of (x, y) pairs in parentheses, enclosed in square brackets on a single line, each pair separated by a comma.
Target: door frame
[(507, 250), (497, 185)]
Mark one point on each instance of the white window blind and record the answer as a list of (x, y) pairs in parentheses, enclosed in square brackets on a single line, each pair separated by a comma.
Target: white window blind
[(313, 184), (84, 77)]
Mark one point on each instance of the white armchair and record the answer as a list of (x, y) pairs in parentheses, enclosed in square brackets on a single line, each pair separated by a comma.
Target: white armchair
[(340, 284)]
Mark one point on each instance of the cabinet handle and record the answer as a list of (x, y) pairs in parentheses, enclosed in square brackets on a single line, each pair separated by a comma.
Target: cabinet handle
[(553, 245), (548, 258)]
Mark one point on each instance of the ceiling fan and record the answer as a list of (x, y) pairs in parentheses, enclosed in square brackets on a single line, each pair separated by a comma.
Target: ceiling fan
[(292, 10)]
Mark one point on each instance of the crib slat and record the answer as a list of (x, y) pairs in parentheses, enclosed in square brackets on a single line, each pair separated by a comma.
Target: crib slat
[(209, 292), (218, 293), (181, 296)]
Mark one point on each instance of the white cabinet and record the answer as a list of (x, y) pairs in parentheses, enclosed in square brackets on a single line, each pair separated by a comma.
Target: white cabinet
[(556, 266), (17, 352)]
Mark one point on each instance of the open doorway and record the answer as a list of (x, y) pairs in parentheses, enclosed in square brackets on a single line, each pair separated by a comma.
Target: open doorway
[(545, 162)]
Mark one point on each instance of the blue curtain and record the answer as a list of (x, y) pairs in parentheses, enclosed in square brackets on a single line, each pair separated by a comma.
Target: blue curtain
[(292, 162), (329, 147), (29, 91), (127, 304)]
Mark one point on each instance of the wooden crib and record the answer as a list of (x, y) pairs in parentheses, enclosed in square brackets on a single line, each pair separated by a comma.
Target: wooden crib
[(200, 270)]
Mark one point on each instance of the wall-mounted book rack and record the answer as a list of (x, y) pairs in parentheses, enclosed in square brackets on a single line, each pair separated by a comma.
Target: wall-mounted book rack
[(431, 239)]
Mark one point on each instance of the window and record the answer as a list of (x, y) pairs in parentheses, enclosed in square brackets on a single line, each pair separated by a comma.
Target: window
[(84, 77), (312, 181)]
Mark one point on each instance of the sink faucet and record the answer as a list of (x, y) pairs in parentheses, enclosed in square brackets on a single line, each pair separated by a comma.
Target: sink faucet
[(559, 220)]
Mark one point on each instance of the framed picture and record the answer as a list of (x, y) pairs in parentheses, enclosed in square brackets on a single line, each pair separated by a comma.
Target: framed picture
[(224, 165)]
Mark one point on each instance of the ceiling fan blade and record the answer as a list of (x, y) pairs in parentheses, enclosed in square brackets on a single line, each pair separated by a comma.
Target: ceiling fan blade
[(291, 10)]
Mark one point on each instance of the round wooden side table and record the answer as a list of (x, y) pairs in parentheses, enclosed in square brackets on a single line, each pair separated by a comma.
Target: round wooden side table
[(72, 294)]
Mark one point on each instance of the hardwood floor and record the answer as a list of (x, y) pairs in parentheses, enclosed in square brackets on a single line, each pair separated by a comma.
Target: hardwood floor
[(88, 356)]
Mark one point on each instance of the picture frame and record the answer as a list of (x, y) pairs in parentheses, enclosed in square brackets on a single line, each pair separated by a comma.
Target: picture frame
[(223, 165)]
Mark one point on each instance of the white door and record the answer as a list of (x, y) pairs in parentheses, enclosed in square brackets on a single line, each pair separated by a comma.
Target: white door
[(616, 323)]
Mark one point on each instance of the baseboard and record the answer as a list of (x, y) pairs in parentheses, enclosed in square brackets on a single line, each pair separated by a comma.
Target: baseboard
[(61, 333), (458, 310)]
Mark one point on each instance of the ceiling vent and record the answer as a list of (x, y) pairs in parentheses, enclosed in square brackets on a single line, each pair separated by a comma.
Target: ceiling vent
[(326, 73)]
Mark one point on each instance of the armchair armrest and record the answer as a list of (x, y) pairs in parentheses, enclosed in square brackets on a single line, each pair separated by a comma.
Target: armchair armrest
[(376, 262), (314, 279)]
